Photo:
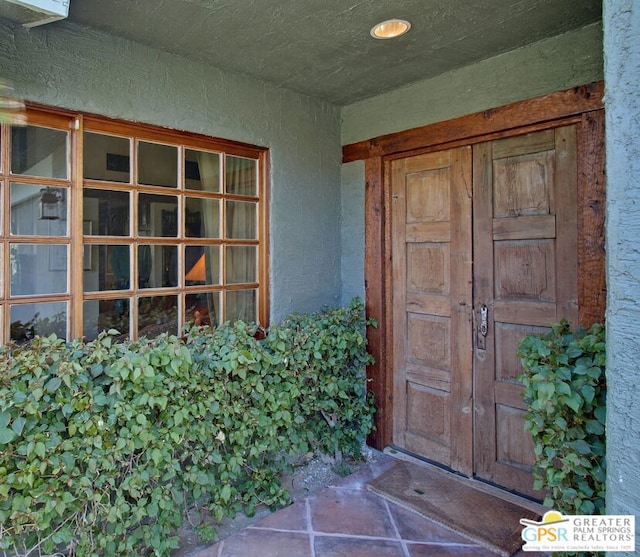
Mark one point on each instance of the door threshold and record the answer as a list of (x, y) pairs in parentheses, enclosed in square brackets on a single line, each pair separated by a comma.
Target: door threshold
[(474, 483)]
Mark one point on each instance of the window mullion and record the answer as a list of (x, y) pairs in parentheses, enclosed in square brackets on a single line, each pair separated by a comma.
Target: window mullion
[(75, 230)]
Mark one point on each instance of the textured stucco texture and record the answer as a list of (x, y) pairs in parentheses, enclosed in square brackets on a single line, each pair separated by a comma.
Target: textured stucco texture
[(622, 108)]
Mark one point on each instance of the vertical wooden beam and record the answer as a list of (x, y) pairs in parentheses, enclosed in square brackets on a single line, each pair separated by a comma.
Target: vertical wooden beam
[(74, 216), (376, 268), (592, 288)]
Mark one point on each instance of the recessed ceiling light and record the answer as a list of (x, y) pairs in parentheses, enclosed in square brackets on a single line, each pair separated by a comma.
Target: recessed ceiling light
[(390, 29)]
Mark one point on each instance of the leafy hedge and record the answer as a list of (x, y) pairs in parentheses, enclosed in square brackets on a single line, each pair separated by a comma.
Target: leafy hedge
[(105, 445), (565, 390)]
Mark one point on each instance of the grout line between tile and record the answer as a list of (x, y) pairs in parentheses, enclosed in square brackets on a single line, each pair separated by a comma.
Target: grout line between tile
[(312, 538), (405, 549)]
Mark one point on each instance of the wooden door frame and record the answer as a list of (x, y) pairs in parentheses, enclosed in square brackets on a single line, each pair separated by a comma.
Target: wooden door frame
[(581, 106)]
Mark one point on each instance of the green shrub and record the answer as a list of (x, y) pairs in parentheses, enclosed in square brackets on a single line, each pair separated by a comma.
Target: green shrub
[(105, 445), (565, 390)]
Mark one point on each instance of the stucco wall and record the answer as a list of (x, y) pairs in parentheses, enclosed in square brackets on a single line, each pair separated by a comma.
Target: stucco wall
[(68, 66), (622, 109), (554, 64)]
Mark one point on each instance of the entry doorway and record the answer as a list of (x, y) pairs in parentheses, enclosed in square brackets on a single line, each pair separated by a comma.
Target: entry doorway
[(483, 242)]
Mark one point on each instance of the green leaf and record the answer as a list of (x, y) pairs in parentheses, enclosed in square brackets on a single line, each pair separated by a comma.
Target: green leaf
[(588, 392), (225, 493), (18, 425), (6, 435), (594, 427), (53, 384), (40, 449), (4, 418), (581, 446), (545, 392), (574, 402)]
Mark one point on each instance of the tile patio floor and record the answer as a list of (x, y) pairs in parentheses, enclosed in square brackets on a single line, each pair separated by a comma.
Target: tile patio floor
[(346, 520)]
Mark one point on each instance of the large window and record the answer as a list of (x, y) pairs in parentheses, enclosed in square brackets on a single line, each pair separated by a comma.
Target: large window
[(110, 225)]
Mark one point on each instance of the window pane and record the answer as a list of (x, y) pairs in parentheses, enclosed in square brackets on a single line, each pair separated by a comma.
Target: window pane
[(202, 218), (157, 215), (38, 269), (157, 266), (109, 211), (103, 315), (202, 265), (157, 315), (241, 176), (202, 309), (106, 157), (37, 151), (241, 304), (110, 268), (201, 170), (38, 211), (240, 264), (241, 220), (42, 319), (157, 164)]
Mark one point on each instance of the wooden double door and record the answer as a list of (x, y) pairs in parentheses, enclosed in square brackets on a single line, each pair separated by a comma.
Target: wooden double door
[(483, 254)]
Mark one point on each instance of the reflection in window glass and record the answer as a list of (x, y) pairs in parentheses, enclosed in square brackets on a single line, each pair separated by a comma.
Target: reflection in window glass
[(202, 218), (109, 211), (106, 157), (157, 315), (103, 315), (37, 151), (38, 269), (240, 264), (157, 164), (109, 270), (38, 211), (202, 265), (201, 170), (157, 266), (41, 319), (241, 304), (241, 175), (157, 215), (241, 220), (202, 309)]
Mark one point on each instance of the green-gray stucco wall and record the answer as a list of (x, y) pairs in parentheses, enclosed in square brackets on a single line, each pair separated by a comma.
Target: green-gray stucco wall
[(555, 64), (621, 20), (68, 66)]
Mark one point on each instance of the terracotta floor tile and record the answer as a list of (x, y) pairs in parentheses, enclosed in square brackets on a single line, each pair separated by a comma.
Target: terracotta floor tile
[(353, 547), (293, 517), (265, 543), (353, 512), (414, 527), (435, 550), (359, 479)]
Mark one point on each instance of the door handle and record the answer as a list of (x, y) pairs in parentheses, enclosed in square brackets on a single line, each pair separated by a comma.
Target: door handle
[(484, 320), (483, 328)]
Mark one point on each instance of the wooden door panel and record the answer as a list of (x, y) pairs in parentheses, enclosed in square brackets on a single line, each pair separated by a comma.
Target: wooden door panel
[(525, 273), (524, 270), (523, 185), (428, 267), (431, 242), (428, 430)]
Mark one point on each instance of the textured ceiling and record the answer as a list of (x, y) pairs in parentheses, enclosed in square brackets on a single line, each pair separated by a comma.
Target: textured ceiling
[(323, 48)]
